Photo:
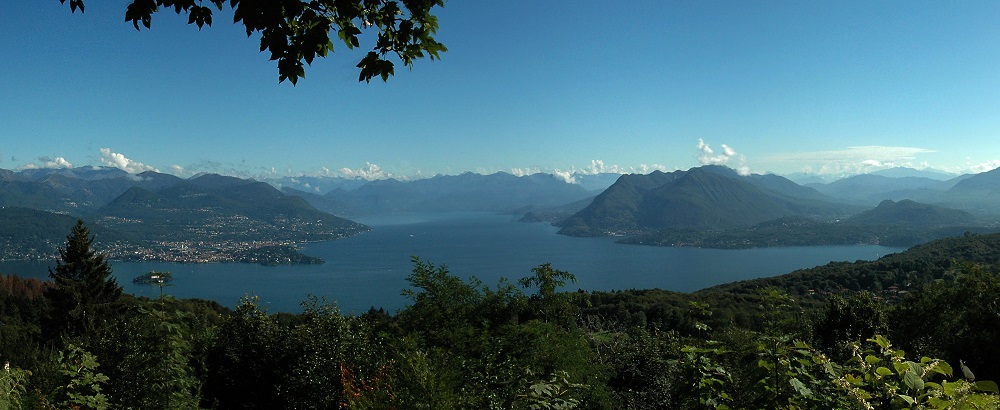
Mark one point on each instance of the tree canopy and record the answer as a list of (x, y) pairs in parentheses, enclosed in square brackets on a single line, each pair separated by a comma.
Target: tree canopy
[(84, 292), (297, 31)]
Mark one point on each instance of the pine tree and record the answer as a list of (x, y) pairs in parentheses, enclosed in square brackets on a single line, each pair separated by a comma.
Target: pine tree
[(84, 294)]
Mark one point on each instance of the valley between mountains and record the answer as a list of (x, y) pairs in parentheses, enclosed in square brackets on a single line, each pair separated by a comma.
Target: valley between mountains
[(214, 218)]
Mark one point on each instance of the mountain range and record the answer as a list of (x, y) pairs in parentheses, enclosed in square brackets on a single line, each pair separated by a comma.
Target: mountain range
[(467, 192), (708, 197), (156, 206)]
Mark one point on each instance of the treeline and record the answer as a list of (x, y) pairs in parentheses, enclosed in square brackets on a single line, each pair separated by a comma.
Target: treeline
[(802, 231), (78, 342)]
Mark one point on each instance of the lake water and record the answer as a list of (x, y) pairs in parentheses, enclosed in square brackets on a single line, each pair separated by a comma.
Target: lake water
[(371, 269)]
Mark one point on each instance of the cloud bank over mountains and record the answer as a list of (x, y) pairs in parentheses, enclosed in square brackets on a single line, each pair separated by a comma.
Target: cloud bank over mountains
[(853, 160), (48, 163), (830, 163)]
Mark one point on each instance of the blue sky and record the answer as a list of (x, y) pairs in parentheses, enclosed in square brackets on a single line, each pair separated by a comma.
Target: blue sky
[(764, 86)]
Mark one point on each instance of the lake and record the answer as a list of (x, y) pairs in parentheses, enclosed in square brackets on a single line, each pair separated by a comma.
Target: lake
[(371, 269)]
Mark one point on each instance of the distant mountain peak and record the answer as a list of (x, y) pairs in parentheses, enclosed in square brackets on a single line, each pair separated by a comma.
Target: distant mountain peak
[(909, 212), (706, 197), (902, 172)]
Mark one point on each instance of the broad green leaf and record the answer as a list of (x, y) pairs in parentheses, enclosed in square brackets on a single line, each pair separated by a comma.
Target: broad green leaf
[(913, 381), (942, 367), (800, 388), (987, 386)]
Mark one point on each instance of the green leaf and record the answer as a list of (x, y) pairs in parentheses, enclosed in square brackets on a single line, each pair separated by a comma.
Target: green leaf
[(987, 386), (800, 387), (913, 381), (880, 341), (883, 371), (942, 367)]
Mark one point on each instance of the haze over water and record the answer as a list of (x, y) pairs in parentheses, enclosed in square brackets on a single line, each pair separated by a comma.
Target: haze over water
[(371, 269)]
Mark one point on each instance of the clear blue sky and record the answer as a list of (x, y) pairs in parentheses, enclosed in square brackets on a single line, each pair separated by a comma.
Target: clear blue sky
[(786, 86)]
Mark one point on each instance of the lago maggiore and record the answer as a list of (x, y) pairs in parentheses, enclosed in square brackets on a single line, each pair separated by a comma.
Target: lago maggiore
[(519, 205), (370, 269)]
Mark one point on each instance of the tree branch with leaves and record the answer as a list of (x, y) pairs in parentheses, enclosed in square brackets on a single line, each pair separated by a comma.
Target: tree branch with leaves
[(295, 32)]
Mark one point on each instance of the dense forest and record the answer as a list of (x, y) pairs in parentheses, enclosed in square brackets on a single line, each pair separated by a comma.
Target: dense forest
[(912, 330)]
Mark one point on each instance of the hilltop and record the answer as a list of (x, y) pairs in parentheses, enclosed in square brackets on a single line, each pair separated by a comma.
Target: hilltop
[(704, 198)]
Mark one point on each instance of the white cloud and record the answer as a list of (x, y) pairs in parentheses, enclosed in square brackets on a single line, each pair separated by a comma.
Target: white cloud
[(565, 176), (116, 160), (369, 172), (984, 166), (49, 163), (849, 161), (857, 155), (598, 167), (645, 169), (178, 170), (520, 172), (707, 156), (876, 163)]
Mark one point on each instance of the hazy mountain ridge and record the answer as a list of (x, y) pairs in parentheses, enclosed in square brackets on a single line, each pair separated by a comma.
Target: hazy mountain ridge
[(498, 192), (978, 194), (679, 208)]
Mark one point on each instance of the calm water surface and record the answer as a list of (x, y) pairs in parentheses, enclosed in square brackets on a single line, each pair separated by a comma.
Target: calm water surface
[(371, 269)]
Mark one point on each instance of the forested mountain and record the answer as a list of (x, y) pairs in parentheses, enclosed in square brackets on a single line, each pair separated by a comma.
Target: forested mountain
[(907, 212), (903, 224), (33, 234), (215, 206), (978, 193), (79, 191), (154, 216), (910, 269), (87, 173), (709, 197)]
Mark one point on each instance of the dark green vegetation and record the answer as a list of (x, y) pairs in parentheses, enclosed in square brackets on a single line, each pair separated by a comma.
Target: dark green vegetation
[(816, 338), (801, 231), (295, 31), (152, 216)]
